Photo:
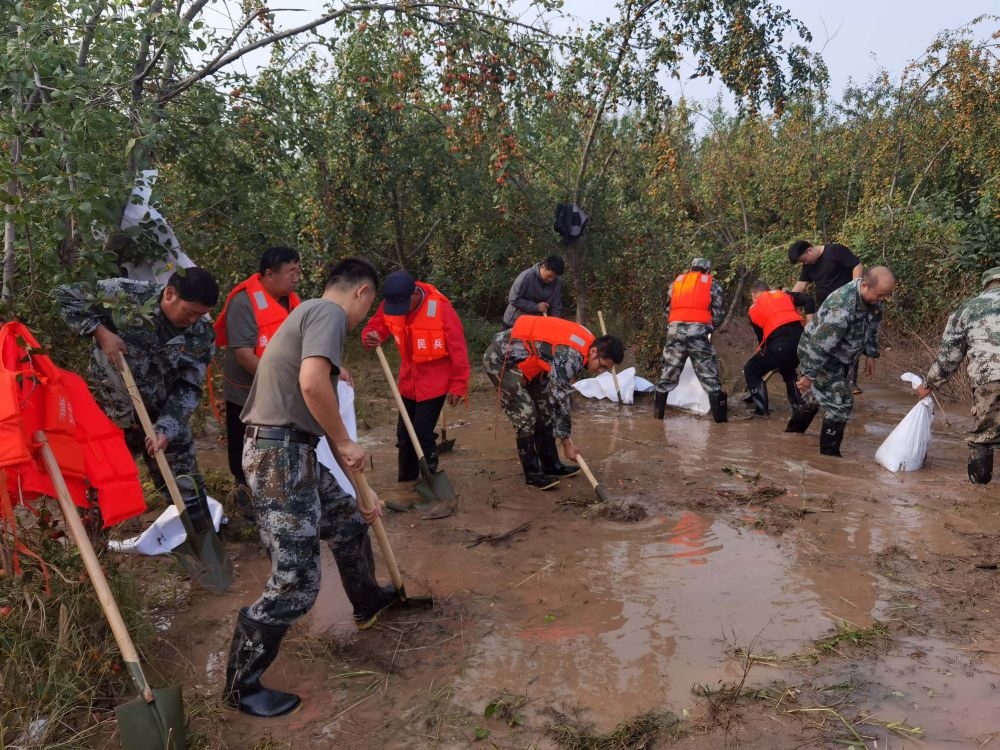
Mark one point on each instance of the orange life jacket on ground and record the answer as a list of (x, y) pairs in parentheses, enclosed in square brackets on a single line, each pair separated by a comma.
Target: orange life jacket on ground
[(773, 309), (37, 395), (267, 312), (553, 331), (691, 298), (427, 341)]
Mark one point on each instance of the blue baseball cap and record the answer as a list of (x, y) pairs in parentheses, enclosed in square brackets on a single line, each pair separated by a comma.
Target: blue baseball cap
[(397, 289)]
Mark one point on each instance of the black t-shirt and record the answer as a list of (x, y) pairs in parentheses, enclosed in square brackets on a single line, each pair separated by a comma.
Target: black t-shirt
[(832, 270)]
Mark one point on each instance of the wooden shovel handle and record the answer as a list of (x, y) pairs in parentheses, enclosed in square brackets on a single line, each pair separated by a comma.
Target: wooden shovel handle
[(399, 402), (364, 494), (93, 566), (147, 426), (614, 370), (586, 471)]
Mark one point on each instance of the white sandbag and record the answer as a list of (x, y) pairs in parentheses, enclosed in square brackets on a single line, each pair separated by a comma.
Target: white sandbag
[(603, 386), (165, 533), (906, 446), (689, 393), (345, 394)]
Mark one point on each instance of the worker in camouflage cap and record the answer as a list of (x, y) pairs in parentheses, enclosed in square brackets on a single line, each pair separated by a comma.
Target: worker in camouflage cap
[(973, 331)]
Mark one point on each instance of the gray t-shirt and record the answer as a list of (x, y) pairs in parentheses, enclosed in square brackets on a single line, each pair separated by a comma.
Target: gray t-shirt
[(241, 329), (316, 328)]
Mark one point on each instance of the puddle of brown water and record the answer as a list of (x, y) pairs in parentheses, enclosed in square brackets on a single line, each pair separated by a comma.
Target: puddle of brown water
[(619, 618)]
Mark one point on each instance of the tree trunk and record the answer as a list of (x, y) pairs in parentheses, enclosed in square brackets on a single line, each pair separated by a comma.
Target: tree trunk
[(9, 257), (737, 296), (577, 262)]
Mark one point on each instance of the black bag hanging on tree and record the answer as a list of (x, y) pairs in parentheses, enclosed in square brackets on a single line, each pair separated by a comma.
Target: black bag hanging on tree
[(570, 222)]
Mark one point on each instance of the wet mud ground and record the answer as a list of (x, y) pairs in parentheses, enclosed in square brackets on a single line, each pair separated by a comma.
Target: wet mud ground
[(770, 598)]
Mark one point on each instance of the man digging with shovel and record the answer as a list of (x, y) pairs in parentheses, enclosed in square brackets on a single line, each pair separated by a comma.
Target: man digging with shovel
[(434, 363), (533, 366), (297, 501), (168, 342)]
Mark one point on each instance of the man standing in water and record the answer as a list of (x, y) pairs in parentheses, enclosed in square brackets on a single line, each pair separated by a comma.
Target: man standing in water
[(973, 331), (846, 326), (297, 501)]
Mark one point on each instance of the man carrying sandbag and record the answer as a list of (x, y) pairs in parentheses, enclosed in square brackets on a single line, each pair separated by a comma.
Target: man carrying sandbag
[(533, 366), (973, 330), (694, 308), (845, 327)]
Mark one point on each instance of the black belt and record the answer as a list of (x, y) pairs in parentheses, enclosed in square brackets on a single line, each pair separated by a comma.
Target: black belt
[(283, 434)]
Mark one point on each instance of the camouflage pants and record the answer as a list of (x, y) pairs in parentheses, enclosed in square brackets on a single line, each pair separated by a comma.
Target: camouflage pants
[(297, 502), (986, 415), (831, 391), (526, 402), (676, 351)]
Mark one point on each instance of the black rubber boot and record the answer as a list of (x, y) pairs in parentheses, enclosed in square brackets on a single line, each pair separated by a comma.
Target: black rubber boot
[(980, 464), (720, 406), (760, 401), (660, 404), (254, 647), (196, 503), (356, 565), (548, 455), (830, 437), (801, 418), (243, 500), (795, 399), (533, 475)]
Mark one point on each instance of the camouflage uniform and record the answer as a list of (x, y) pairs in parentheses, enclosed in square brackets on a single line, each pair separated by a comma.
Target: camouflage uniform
[(844, 328), (297, 502), (973, 330), (691, 340), (169, 365), (544, 400)]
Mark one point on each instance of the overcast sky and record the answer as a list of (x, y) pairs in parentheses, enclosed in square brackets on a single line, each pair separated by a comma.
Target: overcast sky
[(857, 38)]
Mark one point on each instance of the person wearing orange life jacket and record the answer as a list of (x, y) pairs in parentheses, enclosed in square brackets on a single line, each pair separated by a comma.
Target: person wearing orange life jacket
[(694, 308), (533, 365), (778, 327), (434, 360), (254, 310)]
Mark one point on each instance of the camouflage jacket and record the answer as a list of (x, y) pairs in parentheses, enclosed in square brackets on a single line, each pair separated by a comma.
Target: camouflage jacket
[(717, 308), (973, 330), (566, 363), (844, 328), (168, 363)]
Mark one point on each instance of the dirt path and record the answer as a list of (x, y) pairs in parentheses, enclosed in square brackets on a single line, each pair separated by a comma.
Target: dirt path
[(867, 601)]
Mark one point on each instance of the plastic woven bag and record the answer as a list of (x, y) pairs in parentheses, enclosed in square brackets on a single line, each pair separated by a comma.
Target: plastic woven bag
[(906, 446)]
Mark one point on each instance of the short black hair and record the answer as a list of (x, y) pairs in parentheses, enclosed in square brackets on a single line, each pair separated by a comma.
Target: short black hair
[(275, 257), (555, 264), (351, 272), (798, 247), (761, 287), (195, 285), (610, 347)]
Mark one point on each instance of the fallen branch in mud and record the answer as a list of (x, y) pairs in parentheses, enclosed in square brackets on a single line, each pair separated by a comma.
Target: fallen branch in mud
[(497, 539)]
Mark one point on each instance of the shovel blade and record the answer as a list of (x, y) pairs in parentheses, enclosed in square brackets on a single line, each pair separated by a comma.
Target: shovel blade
[(601, 494), (437, 481), (441, 509), (203, 558), (415, 602), (445, 445), (158, 725), (427, 498)]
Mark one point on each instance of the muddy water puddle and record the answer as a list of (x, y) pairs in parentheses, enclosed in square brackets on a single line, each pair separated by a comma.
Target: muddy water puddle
[(612, 619)]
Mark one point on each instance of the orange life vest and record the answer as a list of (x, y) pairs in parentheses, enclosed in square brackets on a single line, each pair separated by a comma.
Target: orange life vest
[(773, 309), (37, 395), (691, 298), (268, 313), (426, 332), (554, 331)]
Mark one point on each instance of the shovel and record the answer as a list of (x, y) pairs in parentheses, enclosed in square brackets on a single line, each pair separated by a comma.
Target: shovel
[(590, 478), (201, 554), (445, 445), (434, 486), (155, 719), (364, 495), (614, 370)]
